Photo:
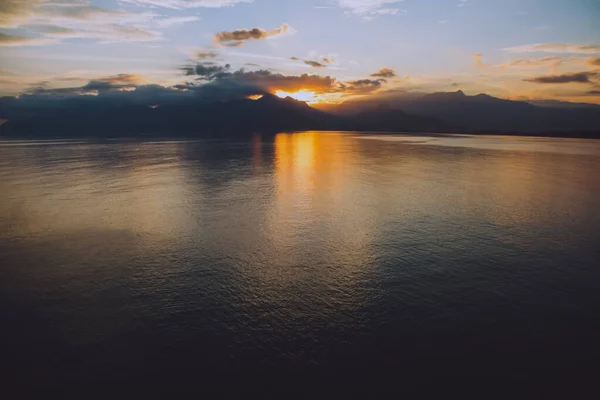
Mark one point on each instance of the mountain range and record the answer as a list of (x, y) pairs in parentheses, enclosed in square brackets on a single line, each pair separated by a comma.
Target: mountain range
[(484, 113), (400, 112)]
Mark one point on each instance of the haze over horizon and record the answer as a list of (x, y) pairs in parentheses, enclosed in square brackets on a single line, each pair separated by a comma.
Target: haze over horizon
[(318, 51)]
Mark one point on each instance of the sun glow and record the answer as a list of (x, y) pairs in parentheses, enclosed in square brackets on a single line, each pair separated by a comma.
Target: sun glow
[(301, 95)]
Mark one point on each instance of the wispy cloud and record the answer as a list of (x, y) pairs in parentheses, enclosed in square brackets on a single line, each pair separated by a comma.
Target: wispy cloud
[(16, 13), (172, 21), (533, 62), (111, 83), (238, 37), (205, 54), (16, 40), (311, 63), (568, 48), (370, 8), (323, 61), (478, 60), (579, 77), (462, 3), (182, 4), (106, 34), (60, 20)]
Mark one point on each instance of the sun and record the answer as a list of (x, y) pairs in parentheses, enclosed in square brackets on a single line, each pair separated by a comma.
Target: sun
[(301, 95)]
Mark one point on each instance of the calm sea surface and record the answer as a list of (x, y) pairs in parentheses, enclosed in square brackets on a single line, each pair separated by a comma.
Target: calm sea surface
[(128, 262)]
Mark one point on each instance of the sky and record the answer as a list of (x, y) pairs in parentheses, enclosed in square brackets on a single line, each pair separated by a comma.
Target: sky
[(513, 49)]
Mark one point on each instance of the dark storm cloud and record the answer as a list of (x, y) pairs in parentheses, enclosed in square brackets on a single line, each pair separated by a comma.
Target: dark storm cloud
[(238, 37), (262, 80), (205, 70), (580, 77), (270, 81)]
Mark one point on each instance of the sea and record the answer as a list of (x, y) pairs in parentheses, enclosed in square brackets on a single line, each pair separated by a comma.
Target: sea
[(306, 264)]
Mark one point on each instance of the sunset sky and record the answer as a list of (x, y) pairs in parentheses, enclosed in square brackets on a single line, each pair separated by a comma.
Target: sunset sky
[(515, 49)]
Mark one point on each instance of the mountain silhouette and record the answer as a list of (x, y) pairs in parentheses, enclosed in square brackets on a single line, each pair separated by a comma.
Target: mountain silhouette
[(483, 113), (267, 114), (443, 112)]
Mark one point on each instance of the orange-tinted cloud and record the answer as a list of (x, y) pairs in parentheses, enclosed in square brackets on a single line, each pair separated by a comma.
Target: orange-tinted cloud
[(107, 83), (533, 62), (16, 40), (594, 62), (384, 73), (238, 37), (264, 81), (205, 54), (478, 62), (556, 48)]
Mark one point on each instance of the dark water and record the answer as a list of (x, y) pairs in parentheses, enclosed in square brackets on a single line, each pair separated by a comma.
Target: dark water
[(284, 263)]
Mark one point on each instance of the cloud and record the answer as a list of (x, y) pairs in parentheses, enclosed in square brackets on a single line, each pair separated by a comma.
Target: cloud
[(78, 19), (270, 82), (238, 37), (205, 54), (533, 62), (77, 11), (95, 86), (11, 10), (314, 64), (202, 81), (123, 78), (181, 4), (264, 81), (205, 71), (594, 92), (15, 40), (16, 13), (556, 48), (384, 73), (478, 62), (106, 33), (120, 81), (172, 21), (594, 62), (363, 86), (462, 3), (579, 77), (370, 8)]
